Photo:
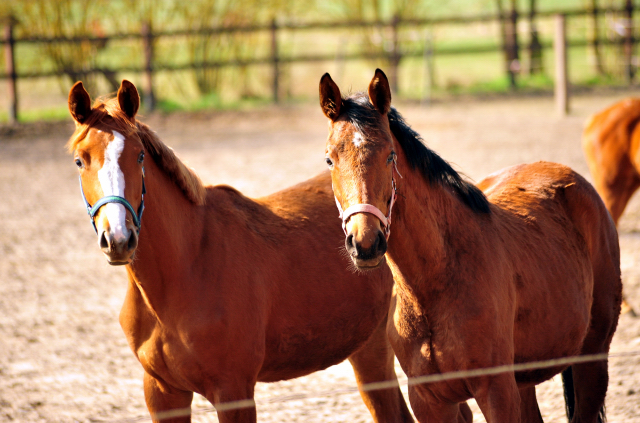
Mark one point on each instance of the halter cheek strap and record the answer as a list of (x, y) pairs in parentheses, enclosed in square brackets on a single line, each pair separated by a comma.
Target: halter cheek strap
[(368, 208), (93, 210)]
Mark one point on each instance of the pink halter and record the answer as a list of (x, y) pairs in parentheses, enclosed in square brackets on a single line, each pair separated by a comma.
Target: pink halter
[(368, 208)]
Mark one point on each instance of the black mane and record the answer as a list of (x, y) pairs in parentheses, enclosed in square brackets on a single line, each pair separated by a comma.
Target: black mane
[(361, 113)]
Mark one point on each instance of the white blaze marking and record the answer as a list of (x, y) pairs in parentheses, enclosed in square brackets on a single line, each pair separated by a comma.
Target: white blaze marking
[(112, 182), (357, 139)]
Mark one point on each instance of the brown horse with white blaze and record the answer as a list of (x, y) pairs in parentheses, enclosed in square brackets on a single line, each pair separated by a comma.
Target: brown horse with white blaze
[(225, 291), (524, 267)]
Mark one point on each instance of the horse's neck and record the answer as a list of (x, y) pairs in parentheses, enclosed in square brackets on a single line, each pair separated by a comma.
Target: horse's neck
[(427, 226), (169, 240)]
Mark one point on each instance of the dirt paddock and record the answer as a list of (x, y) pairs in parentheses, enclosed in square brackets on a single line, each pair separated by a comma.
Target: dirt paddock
[(63, 356)]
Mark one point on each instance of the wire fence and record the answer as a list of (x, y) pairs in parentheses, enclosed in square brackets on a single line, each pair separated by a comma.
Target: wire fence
[(426, 379)]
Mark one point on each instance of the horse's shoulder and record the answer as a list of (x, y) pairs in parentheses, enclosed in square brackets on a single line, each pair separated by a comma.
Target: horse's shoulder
[(313, 196), (308, 202), (319, 185), (228, 203), (218, 195)]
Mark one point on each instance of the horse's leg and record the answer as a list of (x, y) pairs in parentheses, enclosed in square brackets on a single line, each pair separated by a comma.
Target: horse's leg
[(498, 397), (428, 409), (590, 384), (166, 404), (529, 410), (590, 380), (372, 363), (233, 401)]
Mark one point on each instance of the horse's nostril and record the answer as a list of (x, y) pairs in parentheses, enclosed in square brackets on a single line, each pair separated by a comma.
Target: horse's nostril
[(382, 243), (350, 244), (133, 242), (104, 244), (375, 245)]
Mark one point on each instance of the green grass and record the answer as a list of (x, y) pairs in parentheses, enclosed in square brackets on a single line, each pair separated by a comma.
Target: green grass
[(211, 102), (39, 115), (474, 74)]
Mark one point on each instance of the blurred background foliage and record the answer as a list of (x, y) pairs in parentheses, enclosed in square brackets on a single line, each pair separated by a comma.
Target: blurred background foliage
[(228, 86)]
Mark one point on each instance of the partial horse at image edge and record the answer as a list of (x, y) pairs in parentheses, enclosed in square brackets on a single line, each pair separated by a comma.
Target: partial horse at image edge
[(611, 145), (611, 142)]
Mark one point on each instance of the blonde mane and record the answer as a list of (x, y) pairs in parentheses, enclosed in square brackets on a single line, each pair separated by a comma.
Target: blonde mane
[(165, 158)]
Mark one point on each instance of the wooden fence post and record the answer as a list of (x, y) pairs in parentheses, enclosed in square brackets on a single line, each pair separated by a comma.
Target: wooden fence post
[(428, 70), (147, 38), (594, 38), (275, 60), (629, 42), (535, 48), (394, 59), (513, 47), (12, 77), (561, 82)]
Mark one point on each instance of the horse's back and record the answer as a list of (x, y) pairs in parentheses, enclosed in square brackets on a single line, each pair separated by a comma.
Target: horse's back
[(548, 193), (611, 127), (564, 245)]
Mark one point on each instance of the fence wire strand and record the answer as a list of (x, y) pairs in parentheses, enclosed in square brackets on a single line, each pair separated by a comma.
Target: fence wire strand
[(433, 378)]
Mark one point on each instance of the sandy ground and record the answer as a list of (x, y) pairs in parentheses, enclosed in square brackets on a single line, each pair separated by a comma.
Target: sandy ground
[(63, 356)]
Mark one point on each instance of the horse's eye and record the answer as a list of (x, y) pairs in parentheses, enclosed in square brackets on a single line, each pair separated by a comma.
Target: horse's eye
[(391, 158), (141, 157), (78, 162), (329, 162)]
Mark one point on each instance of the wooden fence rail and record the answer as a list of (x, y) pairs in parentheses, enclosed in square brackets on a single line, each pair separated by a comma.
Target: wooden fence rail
[(148, 37)]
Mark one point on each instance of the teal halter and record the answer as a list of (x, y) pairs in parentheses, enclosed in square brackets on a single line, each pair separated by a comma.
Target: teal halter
[(93, 210)]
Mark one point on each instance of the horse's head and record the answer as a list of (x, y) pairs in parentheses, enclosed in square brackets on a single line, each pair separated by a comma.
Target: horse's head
[(109, 156), (361, 154)]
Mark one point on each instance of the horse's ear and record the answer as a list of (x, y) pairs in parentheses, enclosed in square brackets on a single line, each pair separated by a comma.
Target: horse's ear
[(79, 103), (128, 98), (380, 93), (330, 99)]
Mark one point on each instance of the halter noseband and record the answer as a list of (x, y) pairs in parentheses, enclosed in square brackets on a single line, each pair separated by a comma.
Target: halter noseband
[(93, 210), (368, 208)]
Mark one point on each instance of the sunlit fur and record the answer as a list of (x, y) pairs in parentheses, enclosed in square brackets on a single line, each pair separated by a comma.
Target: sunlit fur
[(524, 267), (352, 267), (164, 156), (611, 144), (225, 291)]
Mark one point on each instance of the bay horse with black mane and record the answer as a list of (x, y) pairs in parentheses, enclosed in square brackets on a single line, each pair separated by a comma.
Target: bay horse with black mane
[(524, 267), (225, 291)]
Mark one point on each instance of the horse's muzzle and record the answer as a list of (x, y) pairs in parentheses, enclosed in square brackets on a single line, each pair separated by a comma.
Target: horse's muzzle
[(119, 251), (367, 255)]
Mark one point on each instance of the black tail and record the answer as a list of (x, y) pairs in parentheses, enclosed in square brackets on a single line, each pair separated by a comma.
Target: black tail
[(569, 393), (570, 397)]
